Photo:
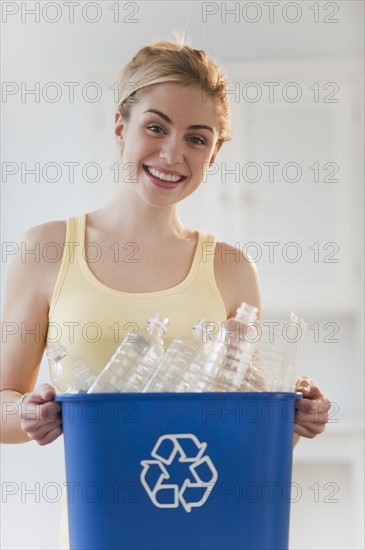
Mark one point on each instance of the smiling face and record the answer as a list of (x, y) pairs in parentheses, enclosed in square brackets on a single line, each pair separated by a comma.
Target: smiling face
[(168, 142)]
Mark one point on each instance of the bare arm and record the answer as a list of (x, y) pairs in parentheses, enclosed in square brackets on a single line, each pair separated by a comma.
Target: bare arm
[(24, 332), (237, 279)]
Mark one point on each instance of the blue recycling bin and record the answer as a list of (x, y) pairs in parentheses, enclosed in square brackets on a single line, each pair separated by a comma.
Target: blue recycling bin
[(186, 471)]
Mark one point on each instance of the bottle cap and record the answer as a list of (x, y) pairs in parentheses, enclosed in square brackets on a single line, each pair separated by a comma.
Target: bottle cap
[(200, 328), (246, 312), (160, 321), (57, 351)]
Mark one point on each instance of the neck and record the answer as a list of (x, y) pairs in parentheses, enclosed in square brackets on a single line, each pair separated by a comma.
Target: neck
[(127, 214)]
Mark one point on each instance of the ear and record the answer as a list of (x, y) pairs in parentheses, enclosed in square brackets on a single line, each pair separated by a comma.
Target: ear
[(214, 155), (118, 128)]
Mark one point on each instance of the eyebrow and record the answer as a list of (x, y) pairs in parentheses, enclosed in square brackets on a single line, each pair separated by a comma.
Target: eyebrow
[(169, 121)]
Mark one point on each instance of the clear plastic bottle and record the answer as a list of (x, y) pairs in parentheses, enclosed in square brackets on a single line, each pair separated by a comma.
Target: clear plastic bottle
[(203, 375), (132, 363), (274, 363), (69, 373), (239, 349), (181, 356), (293, 343)]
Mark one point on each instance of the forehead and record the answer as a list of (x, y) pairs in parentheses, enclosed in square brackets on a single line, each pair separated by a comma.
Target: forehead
[(179, 101)]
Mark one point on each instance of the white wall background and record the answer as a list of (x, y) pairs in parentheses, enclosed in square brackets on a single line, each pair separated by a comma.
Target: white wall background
[(315, 48)]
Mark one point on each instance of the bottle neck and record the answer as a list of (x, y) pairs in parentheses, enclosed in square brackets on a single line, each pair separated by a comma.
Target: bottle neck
[(56, 352), (58, 358), (246, 314), (156, 327)]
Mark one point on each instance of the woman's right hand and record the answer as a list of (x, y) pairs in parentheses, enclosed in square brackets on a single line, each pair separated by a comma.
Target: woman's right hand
[(40, 415)]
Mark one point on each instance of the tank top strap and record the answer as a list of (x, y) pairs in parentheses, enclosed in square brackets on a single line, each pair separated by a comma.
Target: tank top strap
[(205, 255), (72, 249), (73, 229), (206, 250), (75, 238), (80, 228), (207, 243)]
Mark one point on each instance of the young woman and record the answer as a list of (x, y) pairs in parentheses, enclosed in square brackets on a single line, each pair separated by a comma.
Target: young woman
[(173, 118)]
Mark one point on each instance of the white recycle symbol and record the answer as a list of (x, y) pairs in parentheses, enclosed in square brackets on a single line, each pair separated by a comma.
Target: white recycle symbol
[(154, 476)]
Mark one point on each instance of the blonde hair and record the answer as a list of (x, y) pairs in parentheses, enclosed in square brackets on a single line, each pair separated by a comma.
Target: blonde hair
[(167, 61)]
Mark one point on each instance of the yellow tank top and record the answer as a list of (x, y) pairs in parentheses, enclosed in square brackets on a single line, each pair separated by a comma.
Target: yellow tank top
[(91, 319)]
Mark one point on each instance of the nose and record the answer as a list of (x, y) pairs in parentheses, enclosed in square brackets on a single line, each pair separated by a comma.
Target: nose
[(172, 151)]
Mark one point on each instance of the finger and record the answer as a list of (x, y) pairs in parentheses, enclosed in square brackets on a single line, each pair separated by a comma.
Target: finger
[(304, 405), (304, 431), (320, 419), (34, 416), (50, 410), (30, 411), (34, 425), (308, 421), (313, 405), (304, 383), (50, 436), (315, 428), (308, 388), (38, 431), (321, 404), (42, 394), (39, 416)]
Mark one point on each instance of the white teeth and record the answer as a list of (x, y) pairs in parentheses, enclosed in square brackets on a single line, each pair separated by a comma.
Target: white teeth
[(164, 177)]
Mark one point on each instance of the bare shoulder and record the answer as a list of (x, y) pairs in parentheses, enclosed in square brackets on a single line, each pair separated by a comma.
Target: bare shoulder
[(37, 257), (46, 233), (237, 277)]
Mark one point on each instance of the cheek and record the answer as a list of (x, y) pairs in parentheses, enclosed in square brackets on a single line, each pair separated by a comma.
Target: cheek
[(201, 165), (133, 149)]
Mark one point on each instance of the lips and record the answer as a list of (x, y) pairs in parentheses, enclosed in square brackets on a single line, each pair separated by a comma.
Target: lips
[(166, 178)]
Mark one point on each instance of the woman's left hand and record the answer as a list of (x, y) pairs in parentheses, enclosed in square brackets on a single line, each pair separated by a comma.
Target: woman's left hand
[(311, 414)]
